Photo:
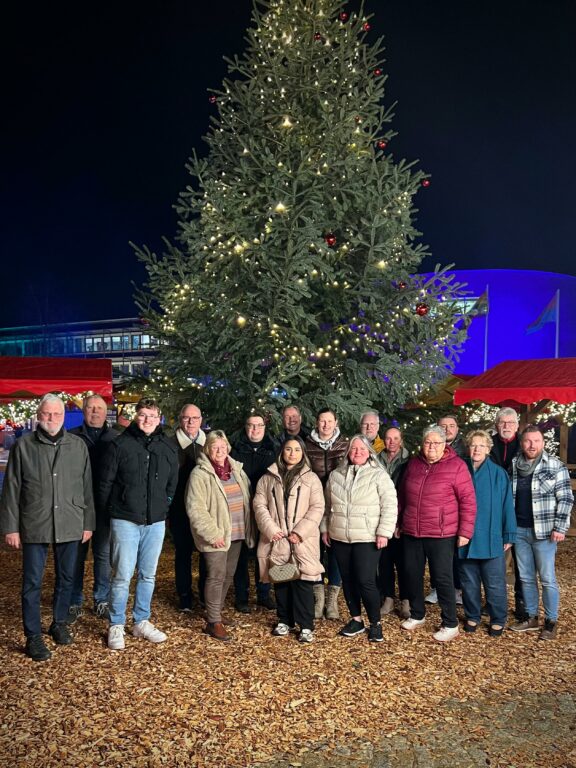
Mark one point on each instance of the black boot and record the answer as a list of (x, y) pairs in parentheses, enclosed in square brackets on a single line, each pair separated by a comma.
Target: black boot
[(36, 648), (60, 633)]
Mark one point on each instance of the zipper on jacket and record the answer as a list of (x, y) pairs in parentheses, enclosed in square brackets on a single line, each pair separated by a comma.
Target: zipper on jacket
[(295, 508)]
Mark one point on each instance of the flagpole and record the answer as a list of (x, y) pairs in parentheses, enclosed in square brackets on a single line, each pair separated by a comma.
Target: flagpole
[(557, 343), (486, 330)]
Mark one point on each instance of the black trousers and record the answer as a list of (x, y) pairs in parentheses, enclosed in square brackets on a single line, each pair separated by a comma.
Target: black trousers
[(440, 555), (358, 564), (183, 549), (391, 563), (295, 603)]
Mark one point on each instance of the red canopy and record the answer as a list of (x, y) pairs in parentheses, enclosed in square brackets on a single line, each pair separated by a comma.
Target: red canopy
[(22, 377), (523, 382)]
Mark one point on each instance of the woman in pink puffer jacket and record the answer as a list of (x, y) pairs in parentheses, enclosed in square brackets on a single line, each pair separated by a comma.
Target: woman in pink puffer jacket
[(437, 510)]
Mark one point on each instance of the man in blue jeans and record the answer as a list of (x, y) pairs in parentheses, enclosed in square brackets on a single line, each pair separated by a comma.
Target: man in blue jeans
[(543, 500), (138, 479), (47, 500)]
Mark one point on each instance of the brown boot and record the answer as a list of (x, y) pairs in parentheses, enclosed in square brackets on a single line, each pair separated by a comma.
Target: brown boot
[(332, 602), (217, 631), (319, 600)]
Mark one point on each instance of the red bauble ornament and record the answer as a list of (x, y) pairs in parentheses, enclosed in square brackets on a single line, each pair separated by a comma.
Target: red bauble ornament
[(401, 285), (425, 182), (357, 119), (343, 17), (330, 239), (378, 72), (317, 37), (422, 309), (382, 144), (212, 99), (366, 27)]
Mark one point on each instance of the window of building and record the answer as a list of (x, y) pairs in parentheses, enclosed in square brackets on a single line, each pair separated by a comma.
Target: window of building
[(116, 343), (136, 341)]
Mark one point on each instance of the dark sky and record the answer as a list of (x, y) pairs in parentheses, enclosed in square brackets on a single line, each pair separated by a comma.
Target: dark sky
[(103, 103)]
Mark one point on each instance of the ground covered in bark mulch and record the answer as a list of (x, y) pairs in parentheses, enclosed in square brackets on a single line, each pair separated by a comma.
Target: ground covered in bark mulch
[(273, 703)]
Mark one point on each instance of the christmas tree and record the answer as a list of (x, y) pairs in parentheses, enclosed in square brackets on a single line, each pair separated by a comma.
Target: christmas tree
[(293, 278)]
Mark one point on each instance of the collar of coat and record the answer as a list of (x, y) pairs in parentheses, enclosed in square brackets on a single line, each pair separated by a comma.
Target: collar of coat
[(184, 441), (205, 464)]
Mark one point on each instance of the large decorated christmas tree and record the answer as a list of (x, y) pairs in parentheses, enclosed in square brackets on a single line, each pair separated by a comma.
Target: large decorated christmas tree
[(294, 274)]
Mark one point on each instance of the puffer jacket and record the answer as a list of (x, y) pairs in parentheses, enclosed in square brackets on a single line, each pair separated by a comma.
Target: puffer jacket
[(437, 500), (138, 476), (302, 515), (323, 462), (362, 503), (47, 493), (207, 506)]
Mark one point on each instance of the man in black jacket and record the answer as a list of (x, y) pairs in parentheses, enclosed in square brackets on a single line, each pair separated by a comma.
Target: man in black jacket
[(138, 479), (257, 451), (96, 434)]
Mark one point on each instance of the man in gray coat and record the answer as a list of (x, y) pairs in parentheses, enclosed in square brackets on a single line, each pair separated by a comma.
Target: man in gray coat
[(47, 499)]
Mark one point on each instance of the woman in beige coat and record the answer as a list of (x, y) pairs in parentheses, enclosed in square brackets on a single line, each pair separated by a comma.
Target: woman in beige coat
[(360, 518), (218, 505), (289, 504)]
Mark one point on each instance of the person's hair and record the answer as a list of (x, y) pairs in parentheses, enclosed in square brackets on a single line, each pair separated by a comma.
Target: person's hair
[(326, 410), (366, 443), (148, 402), (289, 474), (453, 416), (211, 437), (503, 412), (369, 413), (482, 433), (187, 405), (397, 430), (530, 428), (292, 405), (87, 399), (50, 398), (434, 429), (257, 415)]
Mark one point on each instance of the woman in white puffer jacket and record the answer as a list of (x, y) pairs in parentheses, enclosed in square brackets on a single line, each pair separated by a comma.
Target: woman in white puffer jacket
[(361, 513)]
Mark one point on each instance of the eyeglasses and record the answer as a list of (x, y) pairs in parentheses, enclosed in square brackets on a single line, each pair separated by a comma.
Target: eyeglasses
[(254, 426), (429, 444), (481, 445), (507, 423), (192, 418)]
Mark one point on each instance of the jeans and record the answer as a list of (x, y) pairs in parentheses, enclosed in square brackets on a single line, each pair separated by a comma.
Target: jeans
[(242, 578), (295, 603), (220, 566), (491, 572), (183, 549), (392, 563), (536, 557), (440, 554), (102, 570), (133, 547), (33, 565), (358, 565)]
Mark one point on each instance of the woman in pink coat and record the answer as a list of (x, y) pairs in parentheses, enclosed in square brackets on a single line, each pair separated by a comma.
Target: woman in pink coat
[(288, 506), (437, 510)]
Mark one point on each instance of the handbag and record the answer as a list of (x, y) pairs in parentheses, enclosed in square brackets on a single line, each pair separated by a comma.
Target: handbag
[(287, 571)]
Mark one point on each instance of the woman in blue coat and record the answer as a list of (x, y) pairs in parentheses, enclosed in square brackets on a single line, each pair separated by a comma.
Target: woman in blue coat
[(482, 561)]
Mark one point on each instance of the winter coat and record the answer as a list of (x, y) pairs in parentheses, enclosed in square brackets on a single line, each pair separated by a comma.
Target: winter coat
[(302, 515), (362, 503), (503, 452), (397, 466), (323, 462), (96, 449), (207, 506), (437, 500), (47, 494), (255, 457), (495, 517), (138, 476), (188, 453)]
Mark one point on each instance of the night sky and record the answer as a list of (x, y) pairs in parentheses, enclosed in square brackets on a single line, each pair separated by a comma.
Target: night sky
[(103, 103)]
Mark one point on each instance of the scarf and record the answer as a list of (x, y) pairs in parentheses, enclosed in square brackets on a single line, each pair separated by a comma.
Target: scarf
[(222, 472), (525, 467), (325, 444)]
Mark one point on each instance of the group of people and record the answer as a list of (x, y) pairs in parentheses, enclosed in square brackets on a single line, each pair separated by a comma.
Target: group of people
[(322, 513)]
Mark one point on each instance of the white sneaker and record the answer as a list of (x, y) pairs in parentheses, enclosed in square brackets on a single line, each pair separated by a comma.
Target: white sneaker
[(147, 631), (306, 636), (281, 630), (411, 624), (445, 634), (116, 637), (432, 597), (458, 595)]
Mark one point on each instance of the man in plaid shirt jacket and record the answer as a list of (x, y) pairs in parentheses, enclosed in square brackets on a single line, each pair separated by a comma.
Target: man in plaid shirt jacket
[(543, 500)]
